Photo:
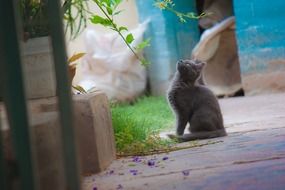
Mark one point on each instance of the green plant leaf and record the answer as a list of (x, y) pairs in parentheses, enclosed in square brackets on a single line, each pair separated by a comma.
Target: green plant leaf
[(122, 28), (115, 3), (75, 57), (130, 38), (79, 89), (109, 10), (118, 12), (143, 44), (191, 15), (104, 2), (145, 62), (100, 20)]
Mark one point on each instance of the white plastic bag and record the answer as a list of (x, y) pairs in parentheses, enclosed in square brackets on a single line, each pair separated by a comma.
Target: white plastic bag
[(110, 66)]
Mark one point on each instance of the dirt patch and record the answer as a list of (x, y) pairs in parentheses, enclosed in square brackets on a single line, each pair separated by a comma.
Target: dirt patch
[(264, 83)]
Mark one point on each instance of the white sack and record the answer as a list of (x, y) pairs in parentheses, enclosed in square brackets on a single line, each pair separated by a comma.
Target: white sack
[(110, 66)]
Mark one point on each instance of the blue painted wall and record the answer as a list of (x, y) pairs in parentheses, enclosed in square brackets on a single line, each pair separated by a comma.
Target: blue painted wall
[(170, 40), (260, 31)]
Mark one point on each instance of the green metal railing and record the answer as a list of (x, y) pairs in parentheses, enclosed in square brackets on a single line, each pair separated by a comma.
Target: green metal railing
[(64, 94), (13, 93), (15, 101), (3, 170)]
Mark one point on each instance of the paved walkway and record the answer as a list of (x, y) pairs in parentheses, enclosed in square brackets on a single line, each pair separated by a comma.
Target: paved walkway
[(251, 157)]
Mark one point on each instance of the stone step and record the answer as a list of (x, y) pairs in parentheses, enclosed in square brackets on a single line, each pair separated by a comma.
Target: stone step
[(93, 131)]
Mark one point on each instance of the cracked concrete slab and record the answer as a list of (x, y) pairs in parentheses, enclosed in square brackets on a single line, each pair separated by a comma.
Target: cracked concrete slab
[(251, 157)]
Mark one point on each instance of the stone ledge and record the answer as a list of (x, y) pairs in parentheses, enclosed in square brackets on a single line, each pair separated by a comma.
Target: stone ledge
[(93, 130), (93, 117)]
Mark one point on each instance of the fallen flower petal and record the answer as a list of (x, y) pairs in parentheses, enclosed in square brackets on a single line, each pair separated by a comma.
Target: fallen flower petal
[(119, 187), (151, 163), (110, 172), (137, 159), (134, 172), (186, 172), (165, 158)]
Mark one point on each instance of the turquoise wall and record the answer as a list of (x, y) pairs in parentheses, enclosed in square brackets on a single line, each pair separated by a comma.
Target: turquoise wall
[(260, 32), (170, 40)]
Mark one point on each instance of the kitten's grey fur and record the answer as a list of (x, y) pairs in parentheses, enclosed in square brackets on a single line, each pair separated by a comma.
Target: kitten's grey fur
[(194, 103)]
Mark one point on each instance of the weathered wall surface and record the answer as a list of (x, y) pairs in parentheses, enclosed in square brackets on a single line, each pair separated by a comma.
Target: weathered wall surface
[(260, 31), (170, 40)]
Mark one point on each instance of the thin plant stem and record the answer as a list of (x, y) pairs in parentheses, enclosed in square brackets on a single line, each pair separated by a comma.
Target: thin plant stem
[(115, 28), (185, 15)]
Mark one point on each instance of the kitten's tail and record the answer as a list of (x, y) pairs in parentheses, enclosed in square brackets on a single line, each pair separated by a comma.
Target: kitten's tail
[(199, 135)]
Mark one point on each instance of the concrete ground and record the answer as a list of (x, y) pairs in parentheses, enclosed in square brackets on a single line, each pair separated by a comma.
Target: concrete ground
[(251, 157)]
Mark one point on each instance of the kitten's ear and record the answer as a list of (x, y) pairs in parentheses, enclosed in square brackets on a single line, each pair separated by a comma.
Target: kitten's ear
[(178, 65), (179, 62), (201, 65)]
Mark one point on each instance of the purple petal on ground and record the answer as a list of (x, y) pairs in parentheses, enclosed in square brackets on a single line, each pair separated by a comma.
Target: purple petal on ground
[(94, 188), (165, 158), (186, 172), (150, 162), (134, 172), (111, 172), (136, 159), (119, 187)]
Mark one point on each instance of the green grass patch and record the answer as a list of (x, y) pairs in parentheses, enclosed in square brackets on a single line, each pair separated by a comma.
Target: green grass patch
[(137, 125)]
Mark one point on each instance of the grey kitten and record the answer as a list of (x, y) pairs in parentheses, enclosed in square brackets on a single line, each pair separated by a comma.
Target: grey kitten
[(194, 103)]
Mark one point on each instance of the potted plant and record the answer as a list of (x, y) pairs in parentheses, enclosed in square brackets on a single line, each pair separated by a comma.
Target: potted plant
[(37, 55)]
